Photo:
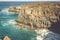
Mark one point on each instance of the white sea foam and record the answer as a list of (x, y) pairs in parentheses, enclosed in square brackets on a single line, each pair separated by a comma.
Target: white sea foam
[(5, 10), (8, 22), (4, 24), (11, 22), (41, 33), (46, 35)]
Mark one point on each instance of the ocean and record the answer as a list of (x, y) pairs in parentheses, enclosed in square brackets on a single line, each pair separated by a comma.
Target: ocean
[(15, 32)]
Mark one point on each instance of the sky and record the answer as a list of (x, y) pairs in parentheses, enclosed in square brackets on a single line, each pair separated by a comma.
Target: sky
[(29, 0)]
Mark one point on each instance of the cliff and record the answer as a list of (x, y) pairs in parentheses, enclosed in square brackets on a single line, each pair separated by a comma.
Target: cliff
[(37, 15)]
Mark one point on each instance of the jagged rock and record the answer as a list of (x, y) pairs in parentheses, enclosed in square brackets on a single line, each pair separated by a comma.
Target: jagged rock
[(38, 15), (12, 9), (6, 38)]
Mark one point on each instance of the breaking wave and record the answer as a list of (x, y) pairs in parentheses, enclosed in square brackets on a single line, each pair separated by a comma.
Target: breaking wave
[(5, 11), (8, 23), (42, 34), (46, 35)]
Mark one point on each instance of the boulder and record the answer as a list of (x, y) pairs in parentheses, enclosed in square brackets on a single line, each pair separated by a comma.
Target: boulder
[(6, 38)]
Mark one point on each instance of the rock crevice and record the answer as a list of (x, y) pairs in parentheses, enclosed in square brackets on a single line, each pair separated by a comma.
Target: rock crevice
[(38, 15)]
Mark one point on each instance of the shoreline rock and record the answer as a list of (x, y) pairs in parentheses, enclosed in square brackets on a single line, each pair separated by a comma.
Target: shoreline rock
[(37, 15), (27, 26), (6, 38)]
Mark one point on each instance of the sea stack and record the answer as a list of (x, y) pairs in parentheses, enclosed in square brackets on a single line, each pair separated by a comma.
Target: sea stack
[(37, 15)]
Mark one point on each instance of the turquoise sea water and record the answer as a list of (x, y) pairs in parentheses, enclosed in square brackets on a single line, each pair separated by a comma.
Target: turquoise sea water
[(9, 29)]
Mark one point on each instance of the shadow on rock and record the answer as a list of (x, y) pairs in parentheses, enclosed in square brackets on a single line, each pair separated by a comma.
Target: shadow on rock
[(55, 27)]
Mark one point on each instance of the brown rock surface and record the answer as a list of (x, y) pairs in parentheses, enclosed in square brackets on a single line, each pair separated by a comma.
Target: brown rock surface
[(38, 15), (6, 38)]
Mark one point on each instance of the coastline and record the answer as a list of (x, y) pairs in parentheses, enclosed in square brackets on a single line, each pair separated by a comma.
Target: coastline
[(39, 15), (28, 26)]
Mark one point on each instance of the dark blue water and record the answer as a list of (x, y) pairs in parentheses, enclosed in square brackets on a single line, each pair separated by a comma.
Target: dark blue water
[(9, 29)]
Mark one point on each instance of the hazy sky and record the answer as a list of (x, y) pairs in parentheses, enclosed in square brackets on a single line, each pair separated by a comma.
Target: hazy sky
[(29, 0)]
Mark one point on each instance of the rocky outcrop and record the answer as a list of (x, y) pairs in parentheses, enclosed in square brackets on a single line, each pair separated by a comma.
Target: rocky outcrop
[(38, 15), (6, 38), (13, 9)]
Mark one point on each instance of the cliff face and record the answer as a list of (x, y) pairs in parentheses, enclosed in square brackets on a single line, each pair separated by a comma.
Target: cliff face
[(41, 15)]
